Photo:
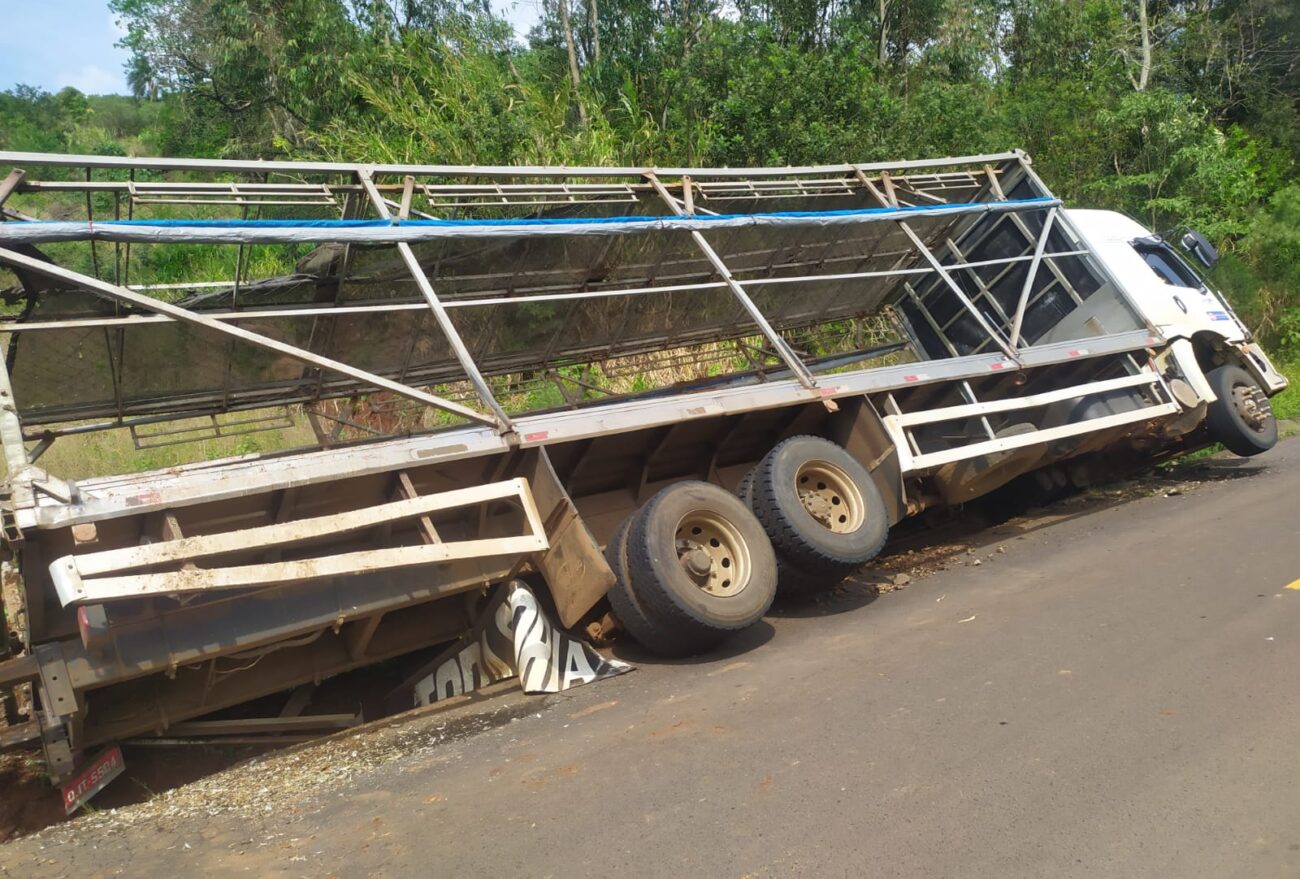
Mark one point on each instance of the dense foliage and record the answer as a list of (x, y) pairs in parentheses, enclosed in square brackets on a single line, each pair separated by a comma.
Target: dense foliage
[(1177, 111)]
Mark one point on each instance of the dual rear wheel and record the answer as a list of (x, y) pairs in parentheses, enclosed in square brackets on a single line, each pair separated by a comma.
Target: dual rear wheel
[(820, 508), (696, 564), (692, 566)]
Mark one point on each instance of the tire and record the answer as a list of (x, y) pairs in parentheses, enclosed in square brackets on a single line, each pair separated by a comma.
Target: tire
[(724, 583), (745, 491), (834, 525), (659, 638), (1241, 418), (790, 581)]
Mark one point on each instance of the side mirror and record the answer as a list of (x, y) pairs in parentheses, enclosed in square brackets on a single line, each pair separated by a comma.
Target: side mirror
[(1198, 246)]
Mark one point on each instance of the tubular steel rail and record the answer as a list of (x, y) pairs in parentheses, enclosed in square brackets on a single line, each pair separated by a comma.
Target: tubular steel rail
[(452, 288), (513, 283)]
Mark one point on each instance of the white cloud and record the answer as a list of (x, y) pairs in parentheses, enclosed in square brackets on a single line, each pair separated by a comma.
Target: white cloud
[(522, 14), (91, 79)]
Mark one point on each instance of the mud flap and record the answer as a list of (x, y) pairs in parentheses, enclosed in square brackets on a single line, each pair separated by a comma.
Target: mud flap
[(512, 638)]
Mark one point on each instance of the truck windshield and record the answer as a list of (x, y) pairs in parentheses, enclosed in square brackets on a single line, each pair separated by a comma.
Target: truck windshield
[(1167, 266)]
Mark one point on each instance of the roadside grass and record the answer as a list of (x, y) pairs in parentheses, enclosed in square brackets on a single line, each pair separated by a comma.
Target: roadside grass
[(1286, 405), (113, 452)]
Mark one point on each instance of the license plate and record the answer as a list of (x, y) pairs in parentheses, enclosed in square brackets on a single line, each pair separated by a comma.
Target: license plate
[(92, 778)]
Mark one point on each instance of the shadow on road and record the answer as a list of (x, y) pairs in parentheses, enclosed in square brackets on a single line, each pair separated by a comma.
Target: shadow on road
[(919, 545), (857, 591), (741, 642), (1219, 469)]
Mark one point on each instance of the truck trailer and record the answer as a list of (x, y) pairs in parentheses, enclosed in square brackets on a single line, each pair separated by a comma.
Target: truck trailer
[(657, 396)]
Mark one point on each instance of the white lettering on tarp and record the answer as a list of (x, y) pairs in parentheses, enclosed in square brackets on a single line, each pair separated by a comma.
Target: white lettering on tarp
[(534, 642), (457, 676), (482, 657), (515, 638), (577, 670)]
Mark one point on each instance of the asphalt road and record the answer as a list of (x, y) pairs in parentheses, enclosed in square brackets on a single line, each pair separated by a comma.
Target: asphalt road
[(1113, 695)]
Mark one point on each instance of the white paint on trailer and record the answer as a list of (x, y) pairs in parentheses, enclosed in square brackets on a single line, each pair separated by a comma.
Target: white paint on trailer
[(77, 577)]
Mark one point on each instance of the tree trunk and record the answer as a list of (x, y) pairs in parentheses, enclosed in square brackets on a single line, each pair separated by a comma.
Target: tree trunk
[(595, 31), (573, 58), (380, 10), (883, 49), (1144, 25)]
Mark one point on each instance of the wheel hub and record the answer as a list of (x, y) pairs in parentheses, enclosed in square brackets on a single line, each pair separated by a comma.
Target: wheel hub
[(818, 506), (830, 497), (1252, 405), (697, 561), (712, 553)]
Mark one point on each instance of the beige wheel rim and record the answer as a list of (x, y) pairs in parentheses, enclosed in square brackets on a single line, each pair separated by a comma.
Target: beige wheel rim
[(712, 553), (830, 496)]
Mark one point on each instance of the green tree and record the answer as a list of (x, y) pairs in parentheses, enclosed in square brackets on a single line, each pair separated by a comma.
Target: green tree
[(265, 69)]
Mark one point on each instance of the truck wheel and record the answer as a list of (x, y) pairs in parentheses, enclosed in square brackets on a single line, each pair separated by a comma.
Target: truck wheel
[(1241, 418), (820, 508), (790, 581), (659, 638), (699, 565)]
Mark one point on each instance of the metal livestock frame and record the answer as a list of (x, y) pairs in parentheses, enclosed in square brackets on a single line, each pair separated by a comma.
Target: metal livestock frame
[(1007, 346)]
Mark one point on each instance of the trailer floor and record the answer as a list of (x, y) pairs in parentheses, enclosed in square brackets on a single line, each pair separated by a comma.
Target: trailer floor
[(1112, 694)]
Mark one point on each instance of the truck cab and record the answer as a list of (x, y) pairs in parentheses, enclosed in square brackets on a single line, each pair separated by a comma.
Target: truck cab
[(1173, 297), (1209, 346)]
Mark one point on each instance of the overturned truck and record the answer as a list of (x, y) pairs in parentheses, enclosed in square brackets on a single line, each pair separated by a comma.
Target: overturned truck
[(656, 395)]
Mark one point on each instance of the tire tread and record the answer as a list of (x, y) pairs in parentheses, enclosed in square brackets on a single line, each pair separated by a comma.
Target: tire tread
[(804, 556), (658, 637), (1225, 425), (680, 630)]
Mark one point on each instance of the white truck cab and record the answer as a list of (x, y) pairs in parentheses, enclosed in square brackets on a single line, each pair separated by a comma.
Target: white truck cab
[(1210, 347)]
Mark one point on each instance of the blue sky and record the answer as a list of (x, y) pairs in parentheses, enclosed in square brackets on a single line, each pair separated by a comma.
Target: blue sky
[(57, 43)]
